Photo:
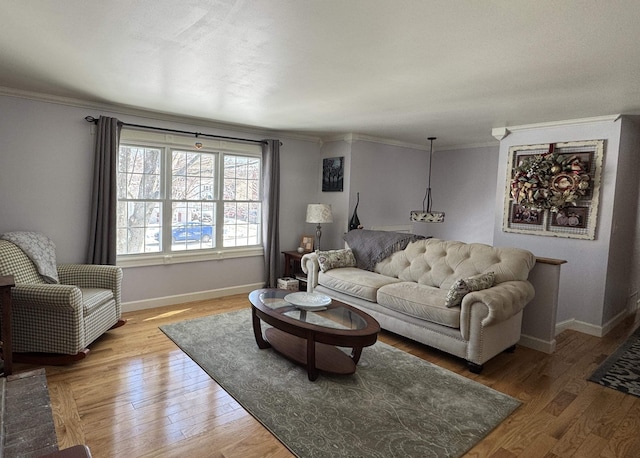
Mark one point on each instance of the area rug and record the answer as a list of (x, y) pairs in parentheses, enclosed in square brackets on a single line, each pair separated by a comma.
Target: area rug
[(621, 370), (395, 404)]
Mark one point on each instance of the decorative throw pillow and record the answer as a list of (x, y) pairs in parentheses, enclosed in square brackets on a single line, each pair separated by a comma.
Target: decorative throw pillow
[(457, 291), (481, 281), (333, 259), (464, 286)]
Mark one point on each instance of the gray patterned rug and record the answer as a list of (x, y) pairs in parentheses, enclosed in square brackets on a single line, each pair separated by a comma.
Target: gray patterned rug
[(621, 370), (394, 405)]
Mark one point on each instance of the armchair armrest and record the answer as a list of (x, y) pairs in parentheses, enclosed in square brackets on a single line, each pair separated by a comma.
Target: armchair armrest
[(52, 296), (502, 301), (311, 267), (90, 276)]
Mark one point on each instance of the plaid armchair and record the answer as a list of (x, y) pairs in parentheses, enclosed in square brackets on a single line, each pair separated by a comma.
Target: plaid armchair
[(60, 319)]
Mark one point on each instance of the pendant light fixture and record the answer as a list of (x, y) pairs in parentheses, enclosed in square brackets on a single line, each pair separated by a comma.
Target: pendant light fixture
[(427, 215)]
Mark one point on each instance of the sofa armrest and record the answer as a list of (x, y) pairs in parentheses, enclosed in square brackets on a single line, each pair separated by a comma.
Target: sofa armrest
[(51, 296), (502, 301), (311, 267)]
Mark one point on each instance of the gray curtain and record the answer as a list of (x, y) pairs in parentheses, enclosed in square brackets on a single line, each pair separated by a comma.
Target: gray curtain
[(271, 210), (104, 195)]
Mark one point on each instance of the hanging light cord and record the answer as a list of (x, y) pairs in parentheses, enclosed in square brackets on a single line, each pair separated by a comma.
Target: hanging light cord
[(427, 195)]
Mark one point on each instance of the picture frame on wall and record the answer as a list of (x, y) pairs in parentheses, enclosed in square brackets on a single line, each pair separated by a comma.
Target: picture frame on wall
[(521, 215), (571, 217), (554, 189), (333, 174)]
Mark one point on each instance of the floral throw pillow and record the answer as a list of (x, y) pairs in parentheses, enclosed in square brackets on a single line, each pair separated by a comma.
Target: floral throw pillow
[(333, 259), (464, 286)]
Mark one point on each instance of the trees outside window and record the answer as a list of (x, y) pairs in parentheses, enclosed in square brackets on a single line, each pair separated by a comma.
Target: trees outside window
[(174, 199)]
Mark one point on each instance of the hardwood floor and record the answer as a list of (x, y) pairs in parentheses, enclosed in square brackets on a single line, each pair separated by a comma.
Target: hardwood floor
[(137, 395)]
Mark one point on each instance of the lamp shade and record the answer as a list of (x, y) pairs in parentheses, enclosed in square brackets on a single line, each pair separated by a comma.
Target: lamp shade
[(319, 213), (421, 216)]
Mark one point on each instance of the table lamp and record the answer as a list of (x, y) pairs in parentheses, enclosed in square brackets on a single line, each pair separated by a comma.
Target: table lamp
[(319, 214)]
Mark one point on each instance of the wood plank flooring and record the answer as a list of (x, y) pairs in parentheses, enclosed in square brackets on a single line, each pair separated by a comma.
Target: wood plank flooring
[(138, 395)]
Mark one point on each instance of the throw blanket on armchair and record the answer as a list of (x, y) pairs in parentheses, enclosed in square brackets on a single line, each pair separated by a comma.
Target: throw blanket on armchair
[(369, 247), (40, 249)]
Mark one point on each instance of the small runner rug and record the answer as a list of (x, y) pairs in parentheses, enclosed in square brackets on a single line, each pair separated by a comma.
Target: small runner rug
[(621, 370), (395, 405)]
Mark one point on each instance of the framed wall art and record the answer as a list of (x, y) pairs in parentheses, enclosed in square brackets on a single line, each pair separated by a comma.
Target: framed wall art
[(332, 174), (554, 189)]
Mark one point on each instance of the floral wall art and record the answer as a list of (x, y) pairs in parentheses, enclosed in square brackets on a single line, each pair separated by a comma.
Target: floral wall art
[(553, 189)]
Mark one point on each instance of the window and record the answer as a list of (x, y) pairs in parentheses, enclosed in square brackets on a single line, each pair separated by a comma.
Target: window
[(176, 199)]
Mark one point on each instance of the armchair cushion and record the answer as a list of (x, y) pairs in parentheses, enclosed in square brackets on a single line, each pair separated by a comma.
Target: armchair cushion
[(93, 298)]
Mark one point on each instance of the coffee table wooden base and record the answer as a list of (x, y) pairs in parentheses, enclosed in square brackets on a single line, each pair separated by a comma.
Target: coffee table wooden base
[(294, 334), (327, 357)]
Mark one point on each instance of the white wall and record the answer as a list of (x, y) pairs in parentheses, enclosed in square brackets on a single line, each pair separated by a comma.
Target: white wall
[(332, 233), (584, 277), (46, 161), (632, 136), (391, 181), (463, 186), (45, 169), (298, 165), (622, 282)]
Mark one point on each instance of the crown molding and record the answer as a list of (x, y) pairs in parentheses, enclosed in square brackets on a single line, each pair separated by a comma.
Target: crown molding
[(351, 137), (489, 144), (155, 115), (506, 130), (497, 132)]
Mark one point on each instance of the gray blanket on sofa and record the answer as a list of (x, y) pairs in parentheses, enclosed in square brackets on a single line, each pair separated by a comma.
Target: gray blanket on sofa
[(370, 247)]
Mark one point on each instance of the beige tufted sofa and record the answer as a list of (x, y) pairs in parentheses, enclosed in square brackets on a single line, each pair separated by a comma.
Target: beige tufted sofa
[(407, 292)]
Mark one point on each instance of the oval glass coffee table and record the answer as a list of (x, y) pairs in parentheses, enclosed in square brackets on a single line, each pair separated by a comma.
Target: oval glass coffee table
[(310, 337)]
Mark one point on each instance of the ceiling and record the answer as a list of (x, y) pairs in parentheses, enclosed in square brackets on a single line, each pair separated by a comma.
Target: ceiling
[(397, 70)]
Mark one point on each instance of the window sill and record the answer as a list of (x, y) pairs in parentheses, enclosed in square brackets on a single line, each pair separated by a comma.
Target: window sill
[(180, 258)]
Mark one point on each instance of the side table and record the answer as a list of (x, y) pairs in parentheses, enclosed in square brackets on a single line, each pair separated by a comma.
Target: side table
[(6, 283), (293, 268)]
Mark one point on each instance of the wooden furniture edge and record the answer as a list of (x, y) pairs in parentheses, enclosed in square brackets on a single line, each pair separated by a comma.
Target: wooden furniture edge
[(6, 346), (552, 261)]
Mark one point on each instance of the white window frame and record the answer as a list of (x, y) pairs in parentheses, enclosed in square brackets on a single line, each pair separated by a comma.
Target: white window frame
[(169, 142)]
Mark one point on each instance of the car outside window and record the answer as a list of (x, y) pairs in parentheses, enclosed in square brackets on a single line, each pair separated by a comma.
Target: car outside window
[(173, 199)]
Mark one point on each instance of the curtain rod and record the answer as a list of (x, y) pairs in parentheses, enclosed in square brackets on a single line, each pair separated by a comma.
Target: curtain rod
[(196, 134)]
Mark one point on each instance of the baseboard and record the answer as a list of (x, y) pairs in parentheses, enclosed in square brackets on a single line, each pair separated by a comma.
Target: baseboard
[(537, 344), (144, 304), (593, 330), (580, 326)]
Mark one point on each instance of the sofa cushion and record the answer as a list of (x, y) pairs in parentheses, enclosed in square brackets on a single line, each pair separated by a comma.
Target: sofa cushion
[(355, 282), (333, 259), (419, 301), (464, 286)]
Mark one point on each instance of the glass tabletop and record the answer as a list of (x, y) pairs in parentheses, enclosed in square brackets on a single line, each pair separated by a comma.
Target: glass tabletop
[(336, 315)]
